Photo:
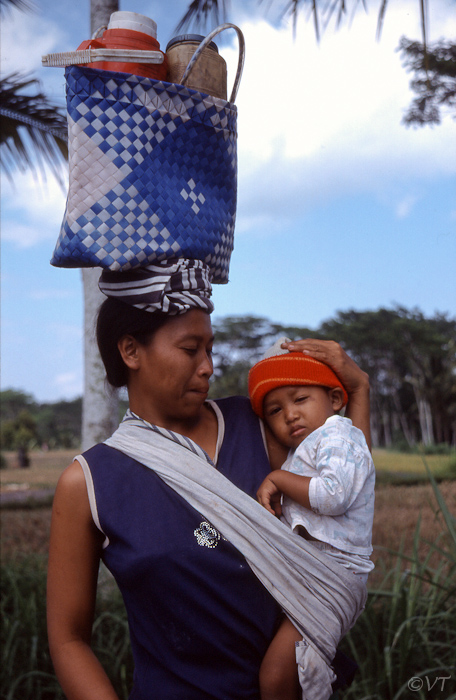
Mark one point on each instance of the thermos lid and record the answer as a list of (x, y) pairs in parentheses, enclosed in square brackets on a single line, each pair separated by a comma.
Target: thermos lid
[(183, 38), (134, 22)]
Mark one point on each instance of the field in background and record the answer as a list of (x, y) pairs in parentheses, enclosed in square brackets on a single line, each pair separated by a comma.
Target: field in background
[(46, 467), (397, 510), (401, 464), (44, 471), (406, 634)]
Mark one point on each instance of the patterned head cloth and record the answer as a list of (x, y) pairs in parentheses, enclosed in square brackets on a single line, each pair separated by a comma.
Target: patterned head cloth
[(172, 287), (279, 367)]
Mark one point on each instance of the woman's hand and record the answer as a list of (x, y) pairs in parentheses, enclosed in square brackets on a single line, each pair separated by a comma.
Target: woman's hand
[(331, 353), (269, 496), (354, 379)]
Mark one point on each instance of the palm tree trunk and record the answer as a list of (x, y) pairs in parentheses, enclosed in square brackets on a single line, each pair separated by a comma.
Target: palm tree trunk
[(100, 403), (100, 12), (100, 414)]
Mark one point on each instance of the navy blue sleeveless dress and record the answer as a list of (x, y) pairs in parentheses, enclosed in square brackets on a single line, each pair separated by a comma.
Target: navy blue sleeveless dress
[(200, 621)]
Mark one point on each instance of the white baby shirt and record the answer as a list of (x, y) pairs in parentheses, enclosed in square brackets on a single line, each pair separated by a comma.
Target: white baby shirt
[(341, 490)]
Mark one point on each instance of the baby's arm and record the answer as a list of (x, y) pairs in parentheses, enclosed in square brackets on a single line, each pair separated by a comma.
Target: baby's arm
[(279, 482), (343, 468)]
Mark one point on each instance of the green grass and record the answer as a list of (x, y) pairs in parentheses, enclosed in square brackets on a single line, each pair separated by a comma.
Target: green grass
[(393, 466), (401, 467), (26, 669), (406, 635), (405, 641), (44, 471)]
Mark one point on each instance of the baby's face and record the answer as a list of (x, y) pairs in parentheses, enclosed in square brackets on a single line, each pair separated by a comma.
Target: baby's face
[(293, 412)]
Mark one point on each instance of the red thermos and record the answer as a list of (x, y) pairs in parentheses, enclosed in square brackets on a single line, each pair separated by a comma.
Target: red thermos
[(129, 30)]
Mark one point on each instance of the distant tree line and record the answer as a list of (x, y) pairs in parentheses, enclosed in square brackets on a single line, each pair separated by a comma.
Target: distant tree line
[(410, 359), (26, 424)]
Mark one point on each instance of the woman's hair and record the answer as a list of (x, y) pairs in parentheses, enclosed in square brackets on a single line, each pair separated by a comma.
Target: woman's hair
[(115, 320)]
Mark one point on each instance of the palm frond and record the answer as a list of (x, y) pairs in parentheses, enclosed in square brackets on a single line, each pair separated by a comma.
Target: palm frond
[(321, 12), (33, 132), (434, 82), (24, 5), (200, 11)]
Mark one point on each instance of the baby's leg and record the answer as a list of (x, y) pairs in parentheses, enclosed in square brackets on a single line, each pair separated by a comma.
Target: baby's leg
[(278, 672)]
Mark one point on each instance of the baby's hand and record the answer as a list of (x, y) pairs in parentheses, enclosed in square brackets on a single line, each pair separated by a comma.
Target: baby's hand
[(269, 496)]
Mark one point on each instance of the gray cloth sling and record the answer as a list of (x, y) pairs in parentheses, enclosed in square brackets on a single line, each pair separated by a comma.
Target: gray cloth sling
[(321, 598)]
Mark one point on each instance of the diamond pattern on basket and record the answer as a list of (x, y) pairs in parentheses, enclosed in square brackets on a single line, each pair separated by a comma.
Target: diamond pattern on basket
[(152, 174)]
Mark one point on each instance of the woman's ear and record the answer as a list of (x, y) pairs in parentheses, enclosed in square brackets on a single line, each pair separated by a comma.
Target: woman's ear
[(337, 398), (128, 348)]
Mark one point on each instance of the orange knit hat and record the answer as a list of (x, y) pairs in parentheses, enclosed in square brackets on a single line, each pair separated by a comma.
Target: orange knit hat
[(288, 369)]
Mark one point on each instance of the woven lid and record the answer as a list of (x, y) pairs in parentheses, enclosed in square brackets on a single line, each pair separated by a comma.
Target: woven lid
[(190, 38)]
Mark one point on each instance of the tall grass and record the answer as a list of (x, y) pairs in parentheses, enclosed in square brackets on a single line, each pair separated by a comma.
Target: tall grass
[(404, 643), (26, 669)]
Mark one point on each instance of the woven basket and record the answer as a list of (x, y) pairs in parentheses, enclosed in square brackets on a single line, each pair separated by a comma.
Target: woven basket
[(153, 169)]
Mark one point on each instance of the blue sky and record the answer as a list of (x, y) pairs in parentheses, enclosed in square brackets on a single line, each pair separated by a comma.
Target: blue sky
[(339, 205)]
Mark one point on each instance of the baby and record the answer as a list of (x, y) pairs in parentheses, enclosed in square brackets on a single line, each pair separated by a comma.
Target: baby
[(325, 489)]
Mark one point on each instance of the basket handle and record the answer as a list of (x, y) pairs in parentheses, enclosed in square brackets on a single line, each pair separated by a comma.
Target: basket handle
[(207, 41)]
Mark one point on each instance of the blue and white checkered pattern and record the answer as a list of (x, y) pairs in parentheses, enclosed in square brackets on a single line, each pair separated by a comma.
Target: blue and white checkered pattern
[(152, 174)]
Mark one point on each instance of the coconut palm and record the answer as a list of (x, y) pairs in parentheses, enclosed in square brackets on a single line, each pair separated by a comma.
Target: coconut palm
[(433, 65), (33, 131), (200, 12), (99, 404)]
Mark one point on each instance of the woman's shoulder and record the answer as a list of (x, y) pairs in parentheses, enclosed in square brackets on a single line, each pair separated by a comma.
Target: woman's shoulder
[(234, 403), (71, 494), (72, 478), (242, 458), (238, 414), (99, 455), (237, 407)]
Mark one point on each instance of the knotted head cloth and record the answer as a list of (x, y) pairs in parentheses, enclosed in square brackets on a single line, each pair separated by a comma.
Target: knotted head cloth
[(172, 287), (279, 367)]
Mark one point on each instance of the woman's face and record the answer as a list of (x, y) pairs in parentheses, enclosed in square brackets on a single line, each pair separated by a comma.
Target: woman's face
[(171, 381)]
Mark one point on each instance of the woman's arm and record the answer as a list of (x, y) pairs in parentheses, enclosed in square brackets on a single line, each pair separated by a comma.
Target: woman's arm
[(355, 381), (74, 555)]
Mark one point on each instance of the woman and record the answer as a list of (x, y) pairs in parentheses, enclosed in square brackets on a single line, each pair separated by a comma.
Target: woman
[(200, 620)]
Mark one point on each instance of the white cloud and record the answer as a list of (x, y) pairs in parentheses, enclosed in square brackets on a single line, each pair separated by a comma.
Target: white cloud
[(405, 206), (316, 121), (68, 384), (32, 209), (25, 38), (323, 121), (65, 333)]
